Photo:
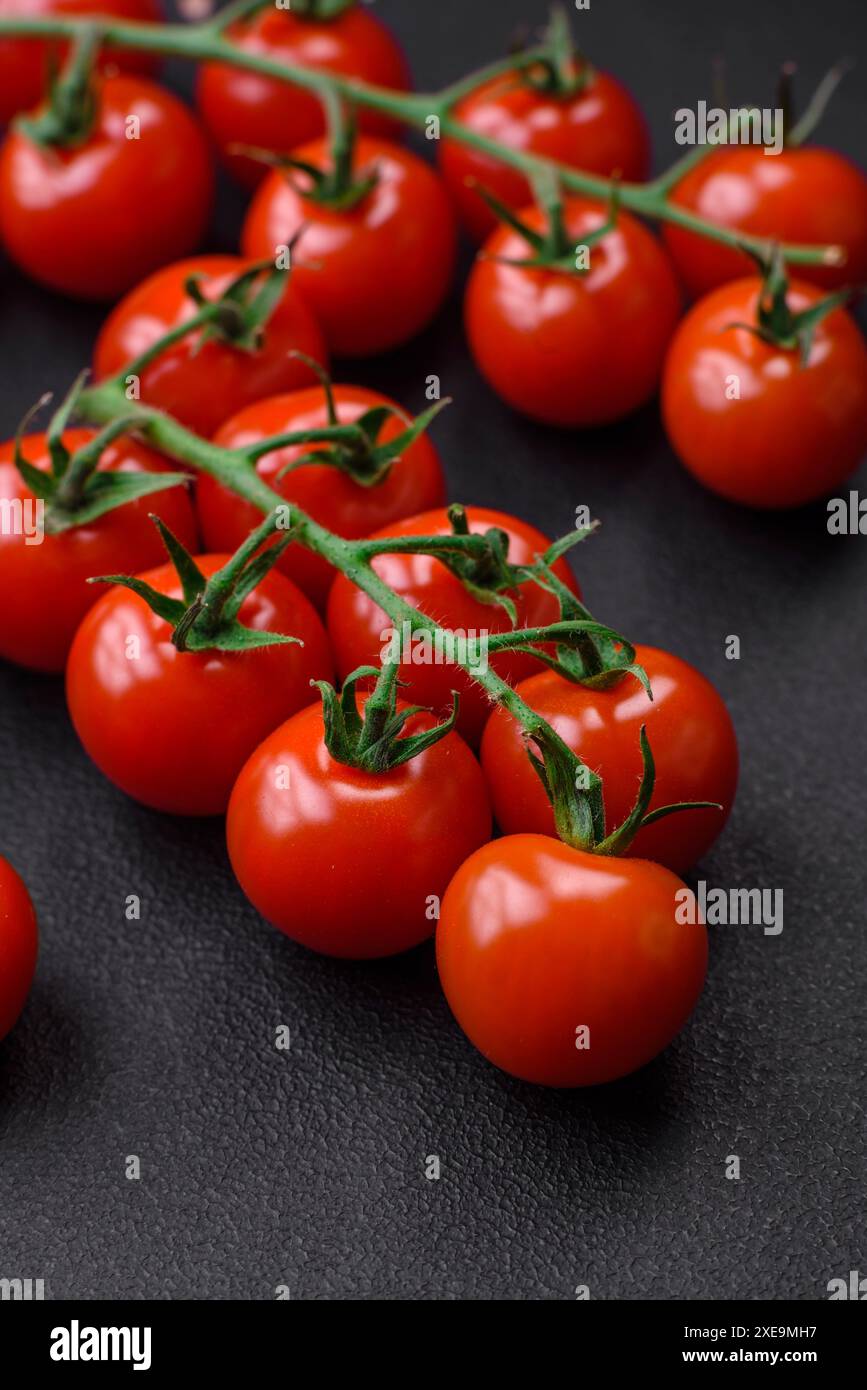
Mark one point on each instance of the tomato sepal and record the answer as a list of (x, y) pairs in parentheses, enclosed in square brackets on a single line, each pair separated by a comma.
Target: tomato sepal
[(373, 741), (620, 839)]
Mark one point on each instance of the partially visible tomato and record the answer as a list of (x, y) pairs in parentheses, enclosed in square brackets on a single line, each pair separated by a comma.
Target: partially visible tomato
[(376, 273), (599, 129), (803, 196), (749, 419), (91, 219), (19, 944), (173, 729), (203, 383), (359, 628), (573, 348), (347, 862), (25, 64), (245, 108), (566, 968), (691, 736), (330, 496), (45, 581)]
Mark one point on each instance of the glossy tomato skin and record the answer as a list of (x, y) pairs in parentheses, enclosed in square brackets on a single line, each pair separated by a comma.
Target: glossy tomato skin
[(93, 219), (344, 861), (691, 736), (243, 108), (25, 63), (573, 349), (795, 432), (19, 944), (599, 129), (173, 729), (357, 625), (202, 384), (536, 941), (49, 579), (375, 274), (330, 496), (801, 196)]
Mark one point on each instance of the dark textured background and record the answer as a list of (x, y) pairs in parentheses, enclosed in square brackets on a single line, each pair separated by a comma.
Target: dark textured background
[(155, 1038)]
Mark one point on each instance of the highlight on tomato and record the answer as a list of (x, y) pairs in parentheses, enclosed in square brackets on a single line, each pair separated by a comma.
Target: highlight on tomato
[(764, 395), (569, 319), (19, 946), (246, 109), (384, 468), (372, 236), (346, 825), (176, 675), (691, 732), (255, 348)]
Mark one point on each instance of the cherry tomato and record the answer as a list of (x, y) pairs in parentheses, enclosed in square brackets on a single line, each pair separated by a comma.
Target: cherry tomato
[(203, 383), (375, 274), (578, 348), (92, 219), (348, 862), (18, 946), (691, 737), (358, 627), (25, 63), (748, 418), (243, 108), (599, 129), (566, 968), (328, 495), (49, 576), (801, 196), (173, 729)]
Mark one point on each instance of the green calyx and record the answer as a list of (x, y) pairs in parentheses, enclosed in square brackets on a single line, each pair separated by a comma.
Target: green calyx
[(339, 187), (74, 491), (240, 315), (207, 618), (776, 323), (552, 248), (70, 112), (375, 741), (559, 71)]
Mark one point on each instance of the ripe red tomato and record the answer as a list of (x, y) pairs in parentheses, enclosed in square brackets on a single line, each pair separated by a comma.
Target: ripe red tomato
[(691, 736), (376, 273), (538, 942), (347, 862), (49, 578), (801, 196), (357, 625), (173, 729), (19, 944), (599, 129), (573, 348), (202, 383), (243, 108), (330, 496), (92, 219), (794, 431), (25, 63)]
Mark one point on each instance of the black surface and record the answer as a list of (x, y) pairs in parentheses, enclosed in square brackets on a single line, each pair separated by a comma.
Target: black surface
[(156, 1038)]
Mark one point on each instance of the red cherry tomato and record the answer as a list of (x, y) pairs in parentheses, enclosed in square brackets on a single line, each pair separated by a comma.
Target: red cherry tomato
[(691, 736), (375, 274), (801, 196), (18, 946), (92, 219), (748, 418), (243, 108), (348, 862), (48, 577), (173, 729), (202, 383), (573, 349), (25, 63), (599, 129), (566, 968), (331, 497), (357, 626)]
